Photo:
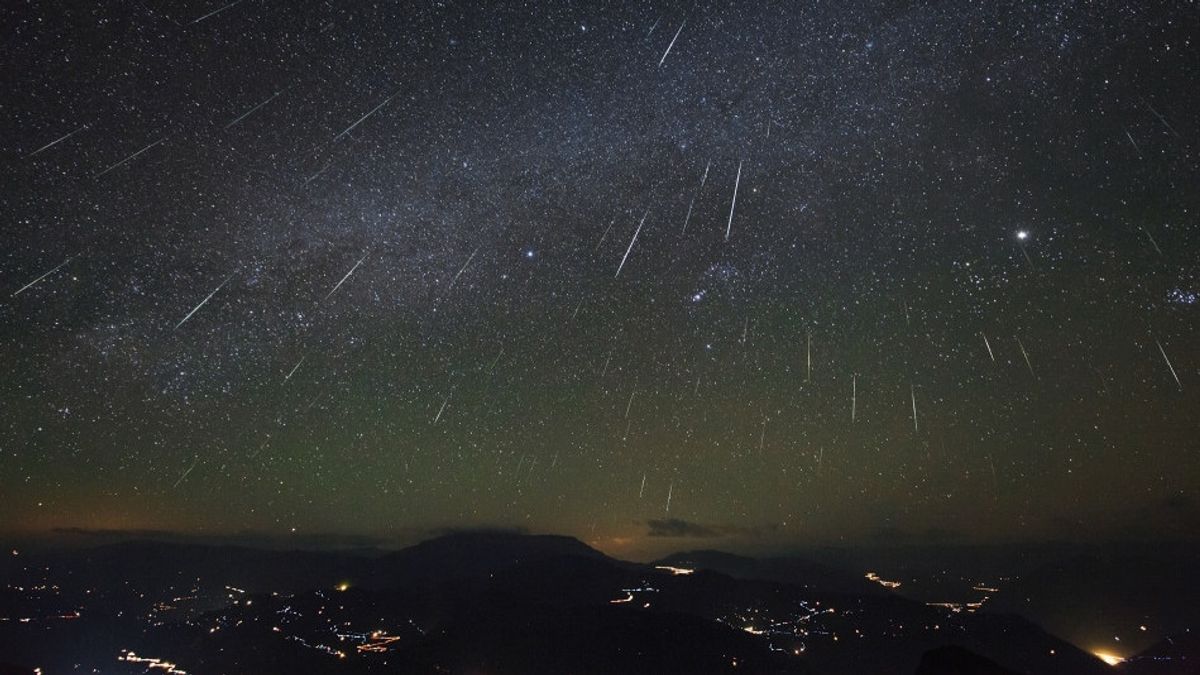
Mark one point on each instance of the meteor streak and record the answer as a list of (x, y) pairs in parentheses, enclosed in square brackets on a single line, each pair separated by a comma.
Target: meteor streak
[(131, 157), (34, 282), (364, 117), (339, 284), (464, 268), (56, 141), (732, 205), (204, 301), (853, 397), (294, 369), (1169, 366), (913, 395), (664, 56), (215, 12), (251, 111), (631, 243), (185, 473), (441, 410), (988, 345), (1026, 355)]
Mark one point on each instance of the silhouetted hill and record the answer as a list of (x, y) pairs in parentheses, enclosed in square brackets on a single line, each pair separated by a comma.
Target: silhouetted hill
[(1176, 655), (789, 570), (486, 602), (472, 554), (153, 565), (953, 660), (1106, 590), (156, 565), (504, 637)]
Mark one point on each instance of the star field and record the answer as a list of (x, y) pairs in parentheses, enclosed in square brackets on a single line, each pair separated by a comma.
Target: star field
[(800, 273)]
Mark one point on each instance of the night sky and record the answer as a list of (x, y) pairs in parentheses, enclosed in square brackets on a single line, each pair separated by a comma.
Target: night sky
[(757, 274)]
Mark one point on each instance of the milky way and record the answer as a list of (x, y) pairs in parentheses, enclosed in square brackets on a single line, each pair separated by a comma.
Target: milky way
[(904, 272)]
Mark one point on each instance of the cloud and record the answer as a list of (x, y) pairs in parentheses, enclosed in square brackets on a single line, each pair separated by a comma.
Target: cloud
[(676, 527)]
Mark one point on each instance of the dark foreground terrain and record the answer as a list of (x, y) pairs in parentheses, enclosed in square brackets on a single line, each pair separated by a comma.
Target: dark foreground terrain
[(508, 603)]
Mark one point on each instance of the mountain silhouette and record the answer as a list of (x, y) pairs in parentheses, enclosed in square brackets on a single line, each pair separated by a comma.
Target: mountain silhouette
[(954, 660), (491, 602)]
